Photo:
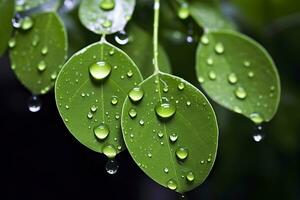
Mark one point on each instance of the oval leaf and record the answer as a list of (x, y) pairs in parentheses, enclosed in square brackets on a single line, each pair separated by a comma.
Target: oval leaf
[(6, 15), (239, 74), (90, 91), (39, 52), (171, 133), (106, 16), (141, 41), (209, 17), (24, 5)]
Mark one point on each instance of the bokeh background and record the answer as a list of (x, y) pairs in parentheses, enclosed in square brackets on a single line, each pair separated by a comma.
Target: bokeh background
[(42, 160)]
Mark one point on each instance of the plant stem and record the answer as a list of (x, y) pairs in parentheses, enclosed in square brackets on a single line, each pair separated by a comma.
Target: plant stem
[(155, 35)]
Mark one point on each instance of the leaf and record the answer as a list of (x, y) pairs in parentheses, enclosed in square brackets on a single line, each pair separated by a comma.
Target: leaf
[(105, 16), (90, 91), (239, 74), (39, 52), (173, 117), (24, 5), (141, 51), (209, 17), (6, 15)]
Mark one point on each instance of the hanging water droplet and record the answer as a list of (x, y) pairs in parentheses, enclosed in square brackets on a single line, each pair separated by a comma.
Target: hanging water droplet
[(114, 100), (109, 151), (132, 113), (256, 118), (172, 184), (112, 166), (12, 42), (204, 40), (136, 94), (184, 11), (27, 23), (240, 93), (121, 37), (16, 21), (181, 86), (232, 78), (173, 137), (258, 134), (107, 4), (42, 66), (165, 109), (212, 75), (101, 132), (190, 176), (44, 50), (100, 70), (219, 48), (34, 104), (182, 153)]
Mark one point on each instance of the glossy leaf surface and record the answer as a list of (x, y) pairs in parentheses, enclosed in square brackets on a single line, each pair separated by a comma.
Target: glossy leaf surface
[(6, 15)]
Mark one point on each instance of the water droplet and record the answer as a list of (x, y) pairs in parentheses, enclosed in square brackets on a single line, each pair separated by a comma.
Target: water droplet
[(204, 40), (166, 170), (53, 76), (34, 104), (181, 86), (129, 74), (172, 184), (258, 134), (107, 4), (240, 93), (182, 153), (12, 42), (256, 118), (209, 61), (173, 137), (250, 74), (142, 122), (16, 21), (272, 88), (109, 151), (247, 63), (114, 100), (164, 109), (237, 109), (149, 155), (112, 166), (184, 12), (27, 23), (90, 115), (100, 70), (190, 177), (42, 66), (44, 50), (35, 40), (201, 79), (208, 159), (121, 37), (160, 134), (232, 78), (219, 48), (136, 94), (94, 108), (132, 113), (107, 23), (212, 75)]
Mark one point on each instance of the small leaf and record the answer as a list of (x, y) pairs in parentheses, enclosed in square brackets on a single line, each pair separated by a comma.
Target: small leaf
[(171, 132), (141, 41), (6, 15), (24, 5), (209, 17), (239, 74), (90, 91), (39, 51), (106, 16)]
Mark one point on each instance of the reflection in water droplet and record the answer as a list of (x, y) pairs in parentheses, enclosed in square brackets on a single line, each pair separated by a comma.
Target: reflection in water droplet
[(258, 134), (107, 4), (34, 104), (240, 93), (100, 70), (190, 176), (111, 166), (101, 132), (256, 118), (136, 94), (165, 109), (121, 37), (182, 153), (232, 78), (219, 48), (109, 151), (172, 184)]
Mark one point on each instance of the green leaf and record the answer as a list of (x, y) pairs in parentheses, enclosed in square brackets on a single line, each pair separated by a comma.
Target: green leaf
[(239, 74), (90, 91), (140, 42), (106, 16), (209, 17), (39, 51), (171, 133), (28, 4), (6, 15)]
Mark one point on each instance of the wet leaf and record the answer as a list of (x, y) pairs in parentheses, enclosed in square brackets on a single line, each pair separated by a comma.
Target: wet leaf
[(139, 48), (90, 91), (209, 17), (24, 5), (6, 15), (239, 74), (39, 52), (171, 132), (106, 16)]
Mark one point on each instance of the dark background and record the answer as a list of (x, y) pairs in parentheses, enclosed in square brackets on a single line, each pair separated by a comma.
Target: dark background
[(41, 160)]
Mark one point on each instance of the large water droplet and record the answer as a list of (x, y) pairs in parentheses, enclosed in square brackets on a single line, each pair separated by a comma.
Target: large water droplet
[(121, 37), (256, 118), (101, 132), (107, 4), (109, 151), (42, 66), (27, 23), (34, 104), (184, 11), (190, 176), (100, 70), (172, 184), (111, 166), (182, 153), (173, 137), (136, 94), (165, 109), (232, 78), (240, 93), (204, 40), (219, 48), (258, 134)]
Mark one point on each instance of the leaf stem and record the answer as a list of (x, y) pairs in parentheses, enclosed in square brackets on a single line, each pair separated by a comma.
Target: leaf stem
[(155, 35)]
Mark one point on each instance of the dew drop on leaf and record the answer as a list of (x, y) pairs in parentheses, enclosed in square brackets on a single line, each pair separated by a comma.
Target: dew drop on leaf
[(107, 4), (44, 50), (219, 48), (12, 42), (34, 104), (27, 23), (132, 113), (173, 137), (180, 86), (166, 170), (190, 176), (251, 74), (112, 166), (184, 12), (165, 109), (232, 78), (101, 132), (182, 153), (42, 66), (121, 37), (100, 70), (240, 93), (204, 40), (172, 184), (114, 100), (212, 75), (107, 23), (256, 118), (136, 94), (109, 151), (16, 21)]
